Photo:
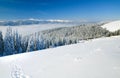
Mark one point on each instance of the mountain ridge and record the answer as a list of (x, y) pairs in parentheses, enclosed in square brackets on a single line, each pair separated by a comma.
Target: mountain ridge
[(34, 21)]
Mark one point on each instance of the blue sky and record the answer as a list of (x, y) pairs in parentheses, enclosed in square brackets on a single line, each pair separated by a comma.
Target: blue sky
[(60, 9)]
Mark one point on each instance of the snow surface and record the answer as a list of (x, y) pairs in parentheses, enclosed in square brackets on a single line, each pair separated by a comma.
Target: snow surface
[(98, 58), (29, 29), (112, 26)]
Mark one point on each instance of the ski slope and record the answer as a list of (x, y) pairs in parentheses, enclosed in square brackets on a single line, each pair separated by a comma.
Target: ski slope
[(112, 26), (98, 58)]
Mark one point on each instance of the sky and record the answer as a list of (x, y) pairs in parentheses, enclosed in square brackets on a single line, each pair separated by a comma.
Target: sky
[(60, 9)]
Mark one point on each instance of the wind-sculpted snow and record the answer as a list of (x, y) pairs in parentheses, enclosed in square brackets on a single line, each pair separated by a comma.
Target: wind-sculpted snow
[(97, 58)]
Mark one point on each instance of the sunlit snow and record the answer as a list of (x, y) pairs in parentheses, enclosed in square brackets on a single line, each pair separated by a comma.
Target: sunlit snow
[(112, 26), (98, 58)]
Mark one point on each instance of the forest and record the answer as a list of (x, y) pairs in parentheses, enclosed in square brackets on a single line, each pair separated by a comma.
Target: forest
[(15, 43)]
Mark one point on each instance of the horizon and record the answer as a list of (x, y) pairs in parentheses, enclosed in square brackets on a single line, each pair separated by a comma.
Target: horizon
[(59, 20), (90, 10)]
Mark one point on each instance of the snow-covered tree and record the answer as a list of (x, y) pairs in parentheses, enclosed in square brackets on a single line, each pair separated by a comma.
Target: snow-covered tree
[(1, 44), (30, 45), (24, 43), (9, 48), (17, 42), (40, 42)]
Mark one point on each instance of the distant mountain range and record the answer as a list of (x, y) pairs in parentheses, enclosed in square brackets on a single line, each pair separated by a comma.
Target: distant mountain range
[(32, 21), (38, 21)]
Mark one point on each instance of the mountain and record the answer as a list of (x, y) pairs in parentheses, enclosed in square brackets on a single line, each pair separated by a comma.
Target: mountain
[(95, 58), (32, 21), (112, 26), (39, 21)]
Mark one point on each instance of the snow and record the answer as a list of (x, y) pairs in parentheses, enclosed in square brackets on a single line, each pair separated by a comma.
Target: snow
[(98, 58), (112, 26), (17, 72)]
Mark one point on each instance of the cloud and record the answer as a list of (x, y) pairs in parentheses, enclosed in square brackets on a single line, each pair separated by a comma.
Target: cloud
[(59, 20)]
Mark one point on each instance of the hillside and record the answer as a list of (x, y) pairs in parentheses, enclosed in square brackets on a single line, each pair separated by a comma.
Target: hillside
[(97, 58), (112, 26), (13, 42)]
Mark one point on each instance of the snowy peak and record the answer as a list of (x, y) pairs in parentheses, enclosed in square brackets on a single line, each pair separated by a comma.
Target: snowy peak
[(112, 26)]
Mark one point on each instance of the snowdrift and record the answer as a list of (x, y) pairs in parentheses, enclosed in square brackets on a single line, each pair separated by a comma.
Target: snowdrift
[(112, 26), (98, 58)]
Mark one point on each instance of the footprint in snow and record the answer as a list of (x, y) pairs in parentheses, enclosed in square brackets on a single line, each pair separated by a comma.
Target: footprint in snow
[(17, 72)]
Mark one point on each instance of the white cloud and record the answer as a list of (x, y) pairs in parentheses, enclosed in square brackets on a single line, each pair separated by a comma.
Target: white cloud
[(58, 20)]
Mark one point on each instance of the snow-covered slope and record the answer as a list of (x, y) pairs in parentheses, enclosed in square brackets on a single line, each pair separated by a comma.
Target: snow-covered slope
[(112, 26), (98, 58)]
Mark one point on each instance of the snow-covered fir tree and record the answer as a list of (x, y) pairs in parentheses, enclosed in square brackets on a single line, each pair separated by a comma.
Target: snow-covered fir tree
[(1, 44), (9, 48), (30, 44), (14, 43), (17, 42)]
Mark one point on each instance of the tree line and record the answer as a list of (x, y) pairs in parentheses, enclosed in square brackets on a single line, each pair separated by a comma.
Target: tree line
[(14, 43)]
